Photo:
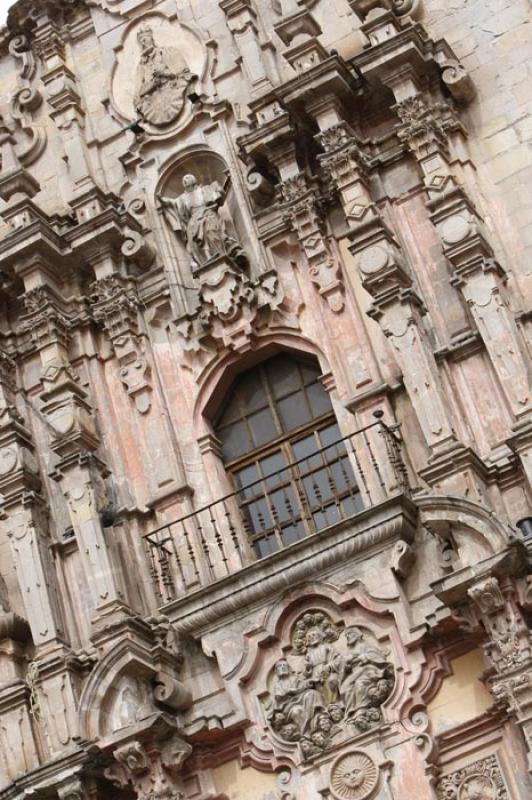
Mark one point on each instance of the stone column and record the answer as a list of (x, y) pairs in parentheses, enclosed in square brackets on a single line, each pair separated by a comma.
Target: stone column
[(73, 439), (476, 272), (24, 513), (508, 649), (385, 275), (300, 206)]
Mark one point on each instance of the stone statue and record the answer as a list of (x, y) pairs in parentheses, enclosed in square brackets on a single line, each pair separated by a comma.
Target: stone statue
[(332, 690), (195, 214), (365, 679), (162, 80)]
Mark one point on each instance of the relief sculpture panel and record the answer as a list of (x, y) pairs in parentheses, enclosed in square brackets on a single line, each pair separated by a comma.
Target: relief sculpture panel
[(331, 685)]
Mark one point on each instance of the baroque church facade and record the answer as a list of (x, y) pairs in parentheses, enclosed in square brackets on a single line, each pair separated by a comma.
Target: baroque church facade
[(265, 400)]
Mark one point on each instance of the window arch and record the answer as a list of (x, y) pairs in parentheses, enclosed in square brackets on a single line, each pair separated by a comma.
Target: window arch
[(282, 445)]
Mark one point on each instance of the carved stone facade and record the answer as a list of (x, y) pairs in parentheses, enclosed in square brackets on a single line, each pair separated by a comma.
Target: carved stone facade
[(265, 400)]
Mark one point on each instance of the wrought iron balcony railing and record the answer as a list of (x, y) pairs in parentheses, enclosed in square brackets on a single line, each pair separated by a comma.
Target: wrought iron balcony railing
[(319, 491)]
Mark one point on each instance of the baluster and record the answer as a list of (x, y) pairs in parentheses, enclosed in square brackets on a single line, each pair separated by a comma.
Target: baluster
[(205, 547), (218, 538), (360, 471), (233, 531), (191, 553), (374, 463), (177, 556), (154, 574)]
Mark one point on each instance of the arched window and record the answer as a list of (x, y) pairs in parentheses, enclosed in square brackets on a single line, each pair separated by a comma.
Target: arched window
[(283, 447)]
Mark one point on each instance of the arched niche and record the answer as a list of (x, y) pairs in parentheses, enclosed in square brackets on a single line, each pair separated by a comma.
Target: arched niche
[(207, 167)]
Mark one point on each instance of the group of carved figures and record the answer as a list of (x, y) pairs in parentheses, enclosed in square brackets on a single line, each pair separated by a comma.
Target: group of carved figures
[(333, 691)]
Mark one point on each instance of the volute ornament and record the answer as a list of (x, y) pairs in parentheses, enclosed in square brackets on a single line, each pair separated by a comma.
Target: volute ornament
[(329, 686)]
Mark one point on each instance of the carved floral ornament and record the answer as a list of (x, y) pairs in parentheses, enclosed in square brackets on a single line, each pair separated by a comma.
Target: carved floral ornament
[(331, 685), (481, 780)]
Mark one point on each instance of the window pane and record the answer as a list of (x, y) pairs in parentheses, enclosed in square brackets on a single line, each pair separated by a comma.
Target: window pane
[(263, 427), (243, 477), (252, 394), (258, 516), (274, 464), (284, 504), (325, 517), (293, 411), (283, 376), (293, 533), (235, 441), (319, 400), (263, 547), (343, 476), (318, 488), (307, 447), (309, 372)]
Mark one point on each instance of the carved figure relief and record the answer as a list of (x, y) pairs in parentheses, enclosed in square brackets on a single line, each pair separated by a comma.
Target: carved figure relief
[(159, 62), (327, 688), (479, 781), (162, 80), (195, 215), (354, 776)]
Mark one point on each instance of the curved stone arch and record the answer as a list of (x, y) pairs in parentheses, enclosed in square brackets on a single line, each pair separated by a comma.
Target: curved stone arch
[(127, 658), (208, 164), (220, 373), (471, 523)]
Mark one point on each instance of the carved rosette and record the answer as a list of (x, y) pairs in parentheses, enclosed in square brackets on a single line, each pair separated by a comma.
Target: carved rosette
[(479, 781), (330, 686)]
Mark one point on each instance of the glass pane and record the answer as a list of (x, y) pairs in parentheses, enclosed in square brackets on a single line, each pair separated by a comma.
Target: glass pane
[(293, 533), (283, 376), (318, 488), (325, 517), (258, 516), (293, 411), (263, 547), (307, 447), (252, 394), (342, 475), (284, 504), (351, 505), (310, 372), (331, 434), (263, 427), (319, 400), (246, 476), (235, 441), (274, 464)]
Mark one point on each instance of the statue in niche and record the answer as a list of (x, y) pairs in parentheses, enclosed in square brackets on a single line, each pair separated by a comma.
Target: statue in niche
[(335, 690), (195, 214), (162, 80)]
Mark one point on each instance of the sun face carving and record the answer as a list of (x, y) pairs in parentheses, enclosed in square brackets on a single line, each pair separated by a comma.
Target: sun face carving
[(354, 776)]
